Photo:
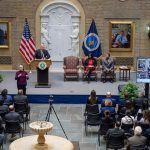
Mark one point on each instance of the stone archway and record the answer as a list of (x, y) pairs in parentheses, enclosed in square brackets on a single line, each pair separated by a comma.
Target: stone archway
[(60, 28), (57, 21)]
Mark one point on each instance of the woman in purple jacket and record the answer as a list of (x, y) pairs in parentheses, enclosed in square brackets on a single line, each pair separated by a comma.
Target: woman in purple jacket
[(21, 77)]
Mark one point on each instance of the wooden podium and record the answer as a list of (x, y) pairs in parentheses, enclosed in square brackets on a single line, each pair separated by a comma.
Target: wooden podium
[(42, 67)]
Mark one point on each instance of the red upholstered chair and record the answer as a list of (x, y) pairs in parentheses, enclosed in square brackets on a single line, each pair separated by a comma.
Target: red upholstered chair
[(71, 67), (93, 75)]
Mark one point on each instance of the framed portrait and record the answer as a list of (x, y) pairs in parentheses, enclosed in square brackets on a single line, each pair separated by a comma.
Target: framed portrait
[(4, 34), (121, 36)]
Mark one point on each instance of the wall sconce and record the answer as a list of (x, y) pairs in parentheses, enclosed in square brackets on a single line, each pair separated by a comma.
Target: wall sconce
[(148, 27)]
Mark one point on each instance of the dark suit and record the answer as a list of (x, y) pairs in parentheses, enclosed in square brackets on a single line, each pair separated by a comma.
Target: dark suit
[(21, 99), (115, 131), (4, 108), (136, 141), (13, 116), (41, 54), (108, 120)]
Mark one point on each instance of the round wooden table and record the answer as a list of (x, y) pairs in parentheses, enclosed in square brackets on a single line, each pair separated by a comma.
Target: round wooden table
[(52, 143)]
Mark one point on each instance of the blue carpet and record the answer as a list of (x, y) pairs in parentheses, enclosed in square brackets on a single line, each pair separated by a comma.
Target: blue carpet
[(65, 99)]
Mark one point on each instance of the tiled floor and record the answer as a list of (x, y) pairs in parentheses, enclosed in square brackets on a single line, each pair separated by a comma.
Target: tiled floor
[(72, 120)]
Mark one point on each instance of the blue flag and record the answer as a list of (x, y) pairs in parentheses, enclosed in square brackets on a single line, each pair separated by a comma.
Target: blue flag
[(91, 44)]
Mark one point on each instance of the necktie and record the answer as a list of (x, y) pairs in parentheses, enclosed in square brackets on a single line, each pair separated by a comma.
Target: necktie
[(42, 54), (121, 38)]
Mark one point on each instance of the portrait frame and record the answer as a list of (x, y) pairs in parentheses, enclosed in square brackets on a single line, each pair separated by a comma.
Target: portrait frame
[(4, 34), (121, 36)]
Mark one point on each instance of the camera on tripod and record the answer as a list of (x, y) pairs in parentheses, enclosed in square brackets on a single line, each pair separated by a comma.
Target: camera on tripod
[(50, 99)]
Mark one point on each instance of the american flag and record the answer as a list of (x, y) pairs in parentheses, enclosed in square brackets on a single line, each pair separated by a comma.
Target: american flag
[(27, 45)]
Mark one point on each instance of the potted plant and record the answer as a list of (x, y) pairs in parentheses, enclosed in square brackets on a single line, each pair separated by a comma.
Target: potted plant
[(130, 90)]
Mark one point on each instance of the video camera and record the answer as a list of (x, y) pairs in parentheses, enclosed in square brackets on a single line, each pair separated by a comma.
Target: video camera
[(50, 99)]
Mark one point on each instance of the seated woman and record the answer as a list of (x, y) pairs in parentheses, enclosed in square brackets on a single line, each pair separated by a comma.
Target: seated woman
[(108, 107), (89, 66), (146, 117), (108, 96), (107, 118), (92, 99)]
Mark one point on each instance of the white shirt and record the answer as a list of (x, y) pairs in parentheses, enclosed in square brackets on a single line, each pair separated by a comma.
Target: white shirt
[(127, 120)]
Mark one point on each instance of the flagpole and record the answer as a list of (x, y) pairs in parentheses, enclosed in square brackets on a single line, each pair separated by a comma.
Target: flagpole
[(30, 69)]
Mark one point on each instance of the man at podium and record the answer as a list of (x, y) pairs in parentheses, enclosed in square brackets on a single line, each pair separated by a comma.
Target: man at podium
[(41, 53), (42, 63)]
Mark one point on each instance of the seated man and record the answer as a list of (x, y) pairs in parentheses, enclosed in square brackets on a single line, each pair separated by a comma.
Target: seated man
[(115, 130), (89, 66), (108, 67), (13, 116), (108, 96), (20, 98), (137, 139)]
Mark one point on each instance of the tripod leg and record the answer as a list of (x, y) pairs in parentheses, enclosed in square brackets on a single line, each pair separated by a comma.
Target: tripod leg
[(48, 113), (60, 123)]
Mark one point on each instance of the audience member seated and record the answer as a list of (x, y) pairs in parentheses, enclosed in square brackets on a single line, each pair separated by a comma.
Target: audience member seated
[(146, 117), (108, 68), (128, 107), (147, 134), (140, 102), (108, 96), (137, 139), (89, 66), (138, 117), (20, 98), (108, 107), (122, 101), (127, 119), (3, 110), (5, 98), (1, 126), (106, 123), (107, 118), (115, 137), (13, 116), (92, 99)]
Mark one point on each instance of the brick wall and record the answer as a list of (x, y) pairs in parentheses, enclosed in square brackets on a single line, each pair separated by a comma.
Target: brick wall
[(102, 11)]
